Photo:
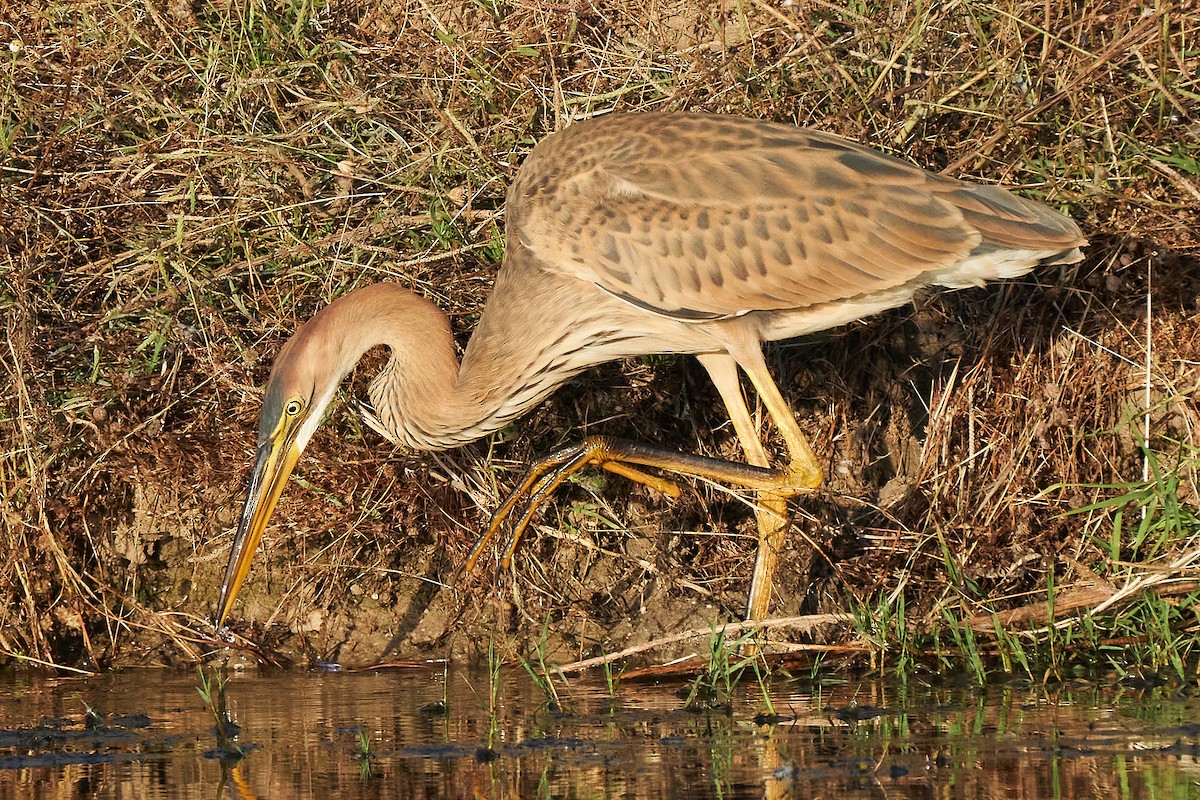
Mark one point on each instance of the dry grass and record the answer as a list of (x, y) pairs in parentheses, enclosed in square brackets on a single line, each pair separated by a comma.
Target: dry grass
[(183, 183)]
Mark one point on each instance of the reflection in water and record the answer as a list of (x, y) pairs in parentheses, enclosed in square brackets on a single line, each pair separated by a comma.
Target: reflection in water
[(228, 751), (306, 735)]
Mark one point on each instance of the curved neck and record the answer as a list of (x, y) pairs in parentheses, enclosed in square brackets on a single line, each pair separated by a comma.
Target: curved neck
[(423, 398), (536, 331)]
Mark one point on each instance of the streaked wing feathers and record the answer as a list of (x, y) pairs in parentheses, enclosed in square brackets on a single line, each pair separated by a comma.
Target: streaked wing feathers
[(1008, 221), (701, 216), (740, 216)]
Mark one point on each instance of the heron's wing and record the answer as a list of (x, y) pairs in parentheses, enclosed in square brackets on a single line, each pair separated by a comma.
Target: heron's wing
[(707, 216)]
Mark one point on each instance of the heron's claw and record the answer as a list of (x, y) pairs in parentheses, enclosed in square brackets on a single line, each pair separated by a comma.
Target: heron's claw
[(548, 474), (625, 458), (798, 478)]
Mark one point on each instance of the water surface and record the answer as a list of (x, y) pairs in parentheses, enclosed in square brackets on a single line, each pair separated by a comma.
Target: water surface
[(149, 734)]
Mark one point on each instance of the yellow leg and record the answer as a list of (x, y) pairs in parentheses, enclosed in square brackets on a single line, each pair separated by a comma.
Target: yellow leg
[(803, 468), (804, 464), (774, 486), (771, 513), (617, 456)]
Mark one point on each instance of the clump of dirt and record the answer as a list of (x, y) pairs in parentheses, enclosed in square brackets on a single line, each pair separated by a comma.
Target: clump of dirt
[(168, 228)]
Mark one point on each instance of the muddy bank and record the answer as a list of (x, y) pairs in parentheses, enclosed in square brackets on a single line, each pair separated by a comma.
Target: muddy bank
[(938, 426)]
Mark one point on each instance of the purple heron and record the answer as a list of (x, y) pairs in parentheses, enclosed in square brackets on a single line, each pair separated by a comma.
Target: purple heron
[(653, 233)]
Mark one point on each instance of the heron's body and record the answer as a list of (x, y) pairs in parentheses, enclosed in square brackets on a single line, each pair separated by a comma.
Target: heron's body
[(657, 233)]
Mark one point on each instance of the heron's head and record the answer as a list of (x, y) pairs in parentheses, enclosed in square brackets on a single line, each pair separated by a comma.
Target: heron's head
[(303, 381)]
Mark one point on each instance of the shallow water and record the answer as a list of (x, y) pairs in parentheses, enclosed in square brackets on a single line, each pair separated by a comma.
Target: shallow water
[(321, 735)]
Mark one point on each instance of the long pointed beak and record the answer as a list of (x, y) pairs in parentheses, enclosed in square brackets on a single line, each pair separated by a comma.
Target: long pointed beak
[(276, 458)]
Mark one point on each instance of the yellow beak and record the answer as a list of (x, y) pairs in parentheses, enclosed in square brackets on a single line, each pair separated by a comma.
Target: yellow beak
[(274, 463)]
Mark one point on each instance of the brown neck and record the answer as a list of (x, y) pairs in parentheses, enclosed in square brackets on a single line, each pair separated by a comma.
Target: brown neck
[(536, 332), (423, 398)]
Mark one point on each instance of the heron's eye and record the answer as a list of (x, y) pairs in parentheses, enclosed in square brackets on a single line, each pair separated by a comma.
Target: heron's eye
[(293, 408)]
